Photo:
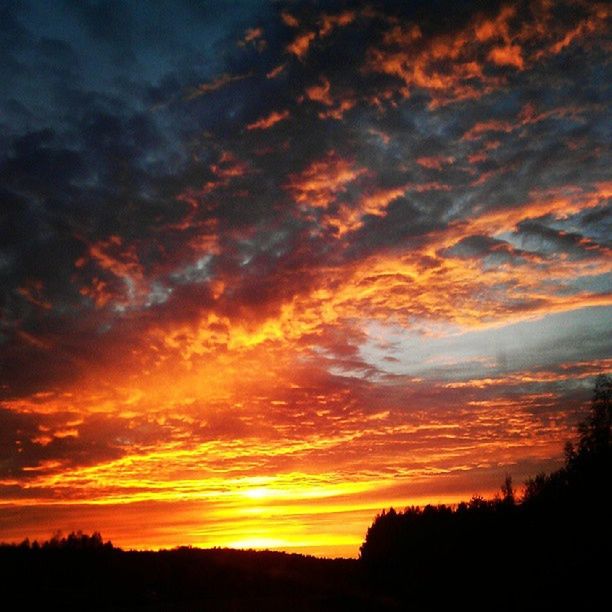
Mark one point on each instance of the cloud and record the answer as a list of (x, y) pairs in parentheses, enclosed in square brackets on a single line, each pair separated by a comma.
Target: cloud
[(323, 27), (435, 162), (255, 37), (450, 69), (373, 250), (545, 239), (267, 122), (317, 185), (289, 20), (507, 56), (300, 45), (214, 85)]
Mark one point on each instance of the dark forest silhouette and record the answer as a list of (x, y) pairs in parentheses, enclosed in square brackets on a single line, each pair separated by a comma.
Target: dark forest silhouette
[(549, 550), (546, 551)]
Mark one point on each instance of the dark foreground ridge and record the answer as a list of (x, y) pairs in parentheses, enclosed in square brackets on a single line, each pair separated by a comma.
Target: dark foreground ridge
[(550, 550), (82, 573)]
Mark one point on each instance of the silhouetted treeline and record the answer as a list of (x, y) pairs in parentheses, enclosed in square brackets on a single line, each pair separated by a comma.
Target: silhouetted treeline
[(81, 572), (77, 540), (549, 550)]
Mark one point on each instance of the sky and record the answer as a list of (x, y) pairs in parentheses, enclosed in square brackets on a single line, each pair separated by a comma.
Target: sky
[(267, 268)]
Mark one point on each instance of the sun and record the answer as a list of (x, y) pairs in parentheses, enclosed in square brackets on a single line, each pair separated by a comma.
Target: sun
[(258, 493)]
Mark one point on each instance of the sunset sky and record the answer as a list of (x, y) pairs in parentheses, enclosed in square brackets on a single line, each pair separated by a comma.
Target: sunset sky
[(267, 268)]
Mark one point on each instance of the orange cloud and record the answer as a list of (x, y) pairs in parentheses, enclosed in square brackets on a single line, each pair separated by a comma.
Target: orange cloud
[(527, 116), (217, 83), (98, 291), (561, 203), (112, 257), (229, 166), (326, 25), (300, 45), (490, 125), (483, 154), (276, 71), (338, 112), (440, 65), (253, 37), (568, 371), (450, 66), (486, 29), (436, 162), (289, 20), (320, 93), (510, 55), (267, 122), (374, 202), (352, 459), (34, 340), (227, 169), (33, 292), (592, 23), (320, 183), (329, 22)]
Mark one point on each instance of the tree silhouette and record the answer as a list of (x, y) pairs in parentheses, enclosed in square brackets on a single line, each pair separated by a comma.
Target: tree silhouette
[(552, 537), (595, 429), (507, 490)]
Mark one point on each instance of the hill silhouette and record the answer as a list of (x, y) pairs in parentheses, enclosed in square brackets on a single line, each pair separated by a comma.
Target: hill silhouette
[(81, 572), (549, 550)]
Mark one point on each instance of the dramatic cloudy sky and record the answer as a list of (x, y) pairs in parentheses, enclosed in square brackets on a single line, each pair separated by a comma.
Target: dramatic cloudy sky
[(269, 267)]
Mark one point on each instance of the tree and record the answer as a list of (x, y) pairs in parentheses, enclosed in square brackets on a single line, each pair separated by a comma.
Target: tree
[(507, 490), (595, 429)]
